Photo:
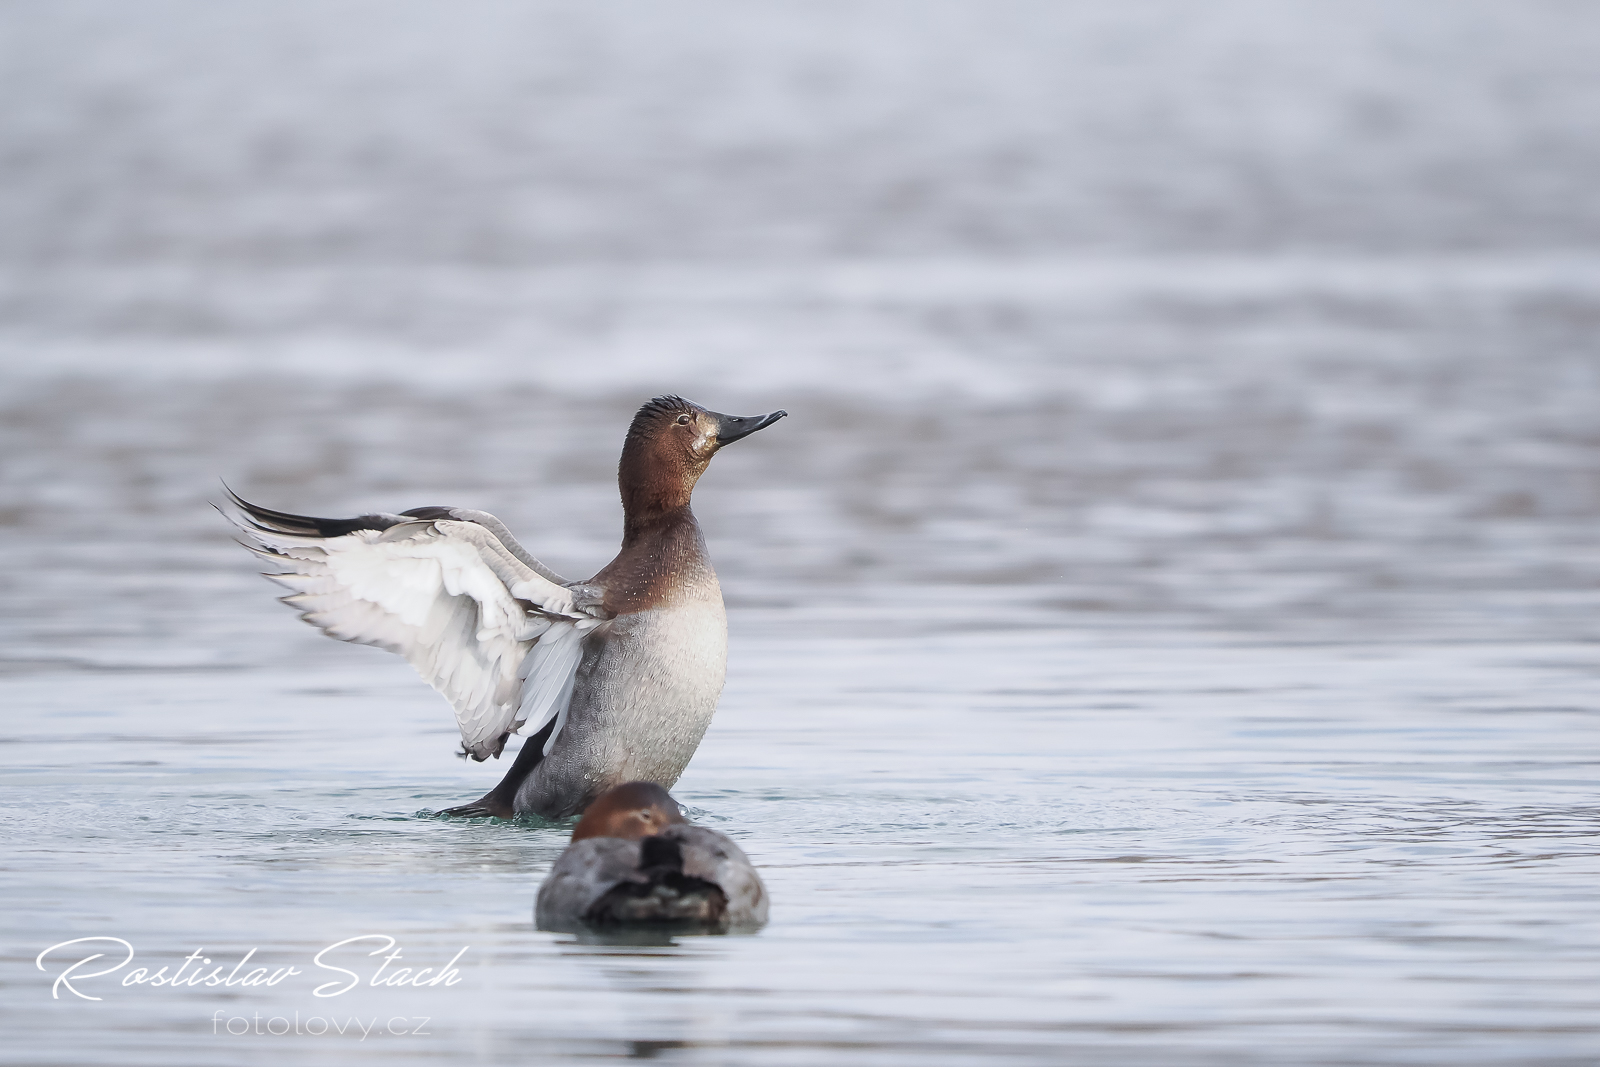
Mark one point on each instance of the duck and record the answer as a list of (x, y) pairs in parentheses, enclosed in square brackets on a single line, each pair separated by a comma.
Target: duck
[(612, 679), (635, 861)]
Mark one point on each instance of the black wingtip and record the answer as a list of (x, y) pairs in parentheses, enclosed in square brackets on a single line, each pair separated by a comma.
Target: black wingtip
[(271, 521)]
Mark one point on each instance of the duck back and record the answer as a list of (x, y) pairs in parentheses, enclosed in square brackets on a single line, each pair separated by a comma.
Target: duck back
[(686, 876)]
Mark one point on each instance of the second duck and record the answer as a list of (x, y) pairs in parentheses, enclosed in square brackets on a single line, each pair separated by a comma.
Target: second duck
[(635, 861)]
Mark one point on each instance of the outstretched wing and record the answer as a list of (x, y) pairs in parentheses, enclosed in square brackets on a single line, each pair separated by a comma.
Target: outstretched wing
[(486, 624)]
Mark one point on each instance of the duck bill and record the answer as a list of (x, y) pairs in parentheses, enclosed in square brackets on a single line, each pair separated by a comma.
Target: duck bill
[(732, 427)]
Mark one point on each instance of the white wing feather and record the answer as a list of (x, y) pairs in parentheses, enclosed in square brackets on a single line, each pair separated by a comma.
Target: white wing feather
[(452, 599)]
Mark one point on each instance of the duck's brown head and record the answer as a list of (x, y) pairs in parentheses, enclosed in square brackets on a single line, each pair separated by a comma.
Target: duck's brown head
[(668, 447), (631, 811)]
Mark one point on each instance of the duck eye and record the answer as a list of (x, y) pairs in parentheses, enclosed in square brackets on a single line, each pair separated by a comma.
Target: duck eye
[(683, 420)]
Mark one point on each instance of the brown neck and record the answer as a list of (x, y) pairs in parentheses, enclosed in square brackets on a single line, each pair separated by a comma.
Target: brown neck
[(655, 488), (662, 557), (639, 525)]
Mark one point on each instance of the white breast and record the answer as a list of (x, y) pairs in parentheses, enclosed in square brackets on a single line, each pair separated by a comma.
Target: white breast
[(643, 700), (666, 669)]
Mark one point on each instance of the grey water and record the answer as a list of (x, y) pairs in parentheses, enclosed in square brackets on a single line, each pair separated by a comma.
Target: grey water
[(1164, 632)]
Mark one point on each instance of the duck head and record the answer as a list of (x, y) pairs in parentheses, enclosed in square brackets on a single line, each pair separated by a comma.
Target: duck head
[(669, 446), (632, 811)]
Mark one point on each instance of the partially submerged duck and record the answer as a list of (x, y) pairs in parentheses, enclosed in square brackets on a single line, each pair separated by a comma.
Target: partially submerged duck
[(615, 678), (635, 861)]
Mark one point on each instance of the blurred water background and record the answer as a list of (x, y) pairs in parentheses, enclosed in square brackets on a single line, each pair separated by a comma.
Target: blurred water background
[(1164, 633)]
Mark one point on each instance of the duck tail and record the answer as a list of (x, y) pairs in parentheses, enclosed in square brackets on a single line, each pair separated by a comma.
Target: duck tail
[(660, 894)]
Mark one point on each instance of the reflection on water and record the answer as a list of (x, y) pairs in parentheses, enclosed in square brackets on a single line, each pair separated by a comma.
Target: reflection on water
[(1175, 654)]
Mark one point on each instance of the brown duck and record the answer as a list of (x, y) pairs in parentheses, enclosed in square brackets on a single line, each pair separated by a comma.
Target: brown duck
[(615, 678), (636, 861)]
